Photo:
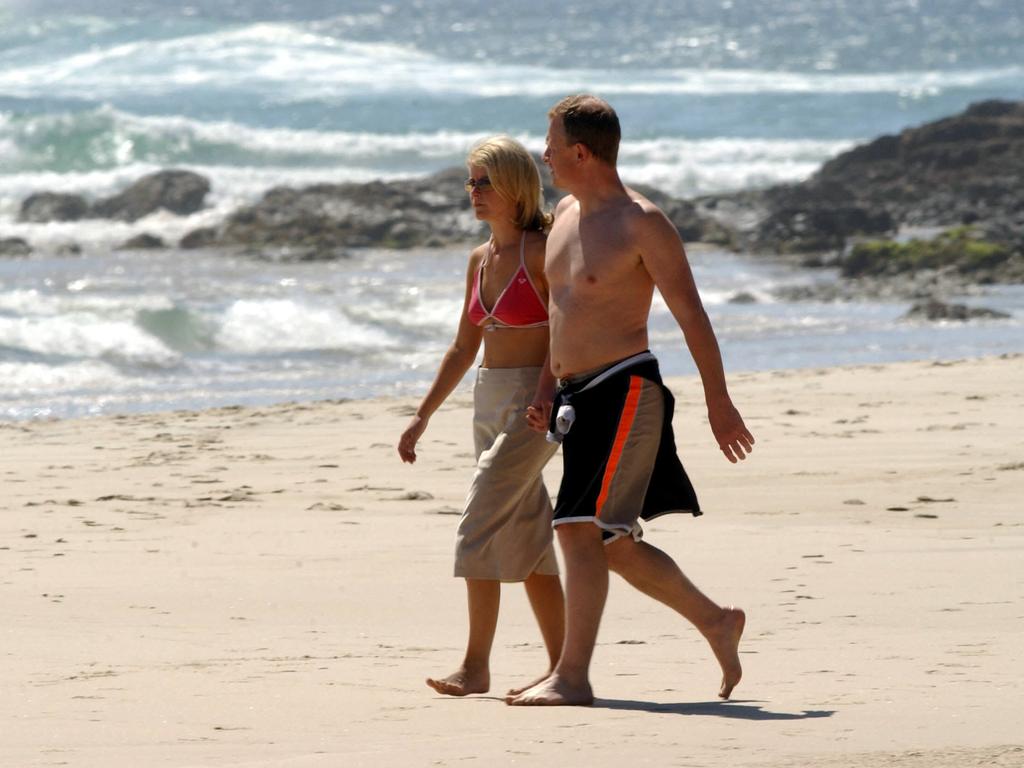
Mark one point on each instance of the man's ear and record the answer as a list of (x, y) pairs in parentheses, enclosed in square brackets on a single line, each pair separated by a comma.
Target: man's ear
[(582, 152)]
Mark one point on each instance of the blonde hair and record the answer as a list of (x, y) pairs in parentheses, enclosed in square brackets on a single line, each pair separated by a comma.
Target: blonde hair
[(514, 175)]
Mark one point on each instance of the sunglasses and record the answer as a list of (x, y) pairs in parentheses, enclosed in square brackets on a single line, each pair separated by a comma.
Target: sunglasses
[(481, 185)]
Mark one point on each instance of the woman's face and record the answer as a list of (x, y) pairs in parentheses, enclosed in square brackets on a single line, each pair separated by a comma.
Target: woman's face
[(488, 204)]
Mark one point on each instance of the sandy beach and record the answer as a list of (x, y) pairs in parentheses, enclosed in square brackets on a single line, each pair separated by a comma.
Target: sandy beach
[(270, 587)]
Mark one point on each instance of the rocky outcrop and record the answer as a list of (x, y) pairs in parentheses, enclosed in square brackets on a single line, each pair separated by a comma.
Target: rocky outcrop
[(965, 169), (142, 242), (14, 246), (204, 237), (180, 192), (934, 309), (53, 206), (326, 219)]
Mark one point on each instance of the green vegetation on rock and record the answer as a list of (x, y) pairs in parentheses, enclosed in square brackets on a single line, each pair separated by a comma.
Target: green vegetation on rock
[(956, 248)]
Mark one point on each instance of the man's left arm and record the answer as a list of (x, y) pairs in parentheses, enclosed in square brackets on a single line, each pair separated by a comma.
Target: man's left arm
[(664, 257)]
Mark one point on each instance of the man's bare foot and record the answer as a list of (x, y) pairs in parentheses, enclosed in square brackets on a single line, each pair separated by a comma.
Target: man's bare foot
[(553, 691), (462, 683), (513, 692), (724, 638)]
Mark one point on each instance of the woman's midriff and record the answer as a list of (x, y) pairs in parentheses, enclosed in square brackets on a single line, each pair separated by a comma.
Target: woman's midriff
[(515, 347)]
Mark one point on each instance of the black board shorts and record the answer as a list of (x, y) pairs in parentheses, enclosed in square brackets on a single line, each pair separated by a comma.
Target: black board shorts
[(619, 455)]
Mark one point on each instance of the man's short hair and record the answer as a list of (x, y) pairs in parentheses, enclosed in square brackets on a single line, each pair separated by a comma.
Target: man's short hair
[(592, 122)]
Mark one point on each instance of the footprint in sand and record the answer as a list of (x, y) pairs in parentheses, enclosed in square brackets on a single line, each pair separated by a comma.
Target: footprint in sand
[(410, 496), (238, 495), (446, 510)]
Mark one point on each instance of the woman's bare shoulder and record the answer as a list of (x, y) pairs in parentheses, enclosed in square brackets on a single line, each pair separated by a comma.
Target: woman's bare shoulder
[(476, 255)]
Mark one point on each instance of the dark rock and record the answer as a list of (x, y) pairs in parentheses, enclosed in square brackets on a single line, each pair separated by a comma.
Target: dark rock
[(743, 297), (290, 254), (691, 224), (180, 192), (142, 242), (933, 309), (965, 169), (204, 237), (14, 246), (53, 206), (327, 219), (69, 249)]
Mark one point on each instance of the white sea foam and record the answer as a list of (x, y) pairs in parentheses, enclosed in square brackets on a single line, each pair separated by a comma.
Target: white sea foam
[(285, 325), (84, 335), (288, 62), (413, 310), (40, 381), (34, 303)]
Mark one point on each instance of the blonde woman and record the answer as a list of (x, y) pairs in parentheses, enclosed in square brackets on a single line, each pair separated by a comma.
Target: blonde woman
[(505, 531)]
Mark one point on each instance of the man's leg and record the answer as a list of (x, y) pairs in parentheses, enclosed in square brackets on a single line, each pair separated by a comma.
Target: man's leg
[(586, 589), (656, 574), (474, 676)]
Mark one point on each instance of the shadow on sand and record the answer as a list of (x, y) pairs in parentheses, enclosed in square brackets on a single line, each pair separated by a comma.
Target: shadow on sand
[(736, 709)]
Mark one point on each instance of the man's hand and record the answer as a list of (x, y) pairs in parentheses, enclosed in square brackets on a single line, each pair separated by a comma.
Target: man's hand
[(734, 439), (407, 442), (538, 416)]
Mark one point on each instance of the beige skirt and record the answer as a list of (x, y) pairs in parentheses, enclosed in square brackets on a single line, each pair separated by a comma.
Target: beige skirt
[(505, 530)]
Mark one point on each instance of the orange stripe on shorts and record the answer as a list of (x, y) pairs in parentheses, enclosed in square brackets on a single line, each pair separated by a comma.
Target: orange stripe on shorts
[(621, 434)]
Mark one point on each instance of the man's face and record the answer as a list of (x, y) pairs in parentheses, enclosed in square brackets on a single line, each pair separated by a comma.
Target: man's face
[(558, 153)]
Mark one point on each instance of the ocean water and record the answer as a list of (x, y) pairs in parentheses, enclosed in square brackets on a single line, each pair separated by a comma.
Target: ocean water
[(713, 96)]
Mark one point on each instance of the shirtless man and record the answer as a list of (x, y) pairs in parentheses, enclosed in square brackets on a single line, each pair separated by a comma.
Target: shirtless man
[(608, 248)]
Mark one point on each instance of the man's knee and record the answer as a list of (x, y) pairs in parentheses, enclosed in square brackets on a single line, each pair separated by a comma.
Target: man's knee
[(577, 535), (620, 552)]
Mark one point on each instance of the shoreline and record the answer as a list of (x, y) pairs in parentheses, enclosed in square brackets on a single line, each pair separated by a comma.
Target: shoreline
[(465, 389), (270, 586)]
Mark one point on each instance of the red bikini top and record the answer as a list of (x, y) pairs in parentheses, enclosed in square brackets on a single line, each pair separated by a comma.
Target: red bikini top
[(518, 306)]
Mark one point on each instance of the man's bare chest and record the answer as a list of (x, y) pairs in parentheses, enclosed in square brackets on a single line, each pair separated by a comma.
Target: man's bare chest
[(582, 261)]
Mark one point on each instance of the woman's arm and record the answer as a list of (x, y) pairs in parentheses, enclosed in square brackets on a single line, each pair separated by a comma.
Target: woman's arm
[(456, 361), (539, 411)]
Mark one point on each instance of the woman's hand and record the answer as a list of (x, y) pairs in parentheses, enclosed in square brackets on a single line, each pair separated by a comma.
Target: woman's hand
[(538, 415), (407, 442)]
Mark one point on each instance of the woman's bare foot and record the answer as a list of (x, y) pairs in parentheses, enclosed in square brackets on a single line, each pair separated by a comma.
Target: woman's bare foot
[(462, 683), (513, 692), (553, 691), (724, 638)]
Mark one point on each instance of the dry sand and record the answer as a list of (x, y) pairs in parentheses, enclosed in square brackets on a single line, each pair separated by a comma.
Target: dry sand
[(269, 587)]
